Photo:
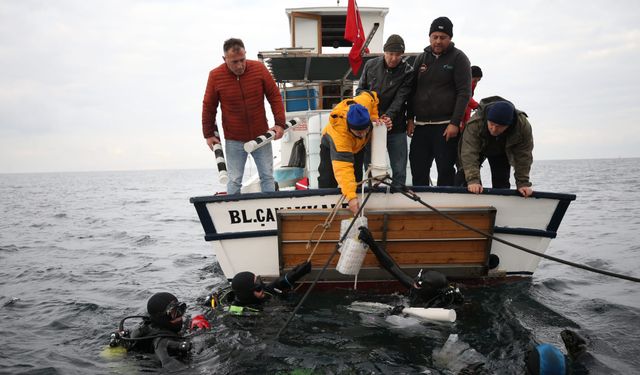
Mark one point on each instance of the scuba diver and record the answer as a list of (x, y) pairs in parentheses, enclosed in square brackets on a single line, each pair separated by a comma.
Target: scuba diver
[(427, 289), (248, 292), (161, 332), (546, 359)]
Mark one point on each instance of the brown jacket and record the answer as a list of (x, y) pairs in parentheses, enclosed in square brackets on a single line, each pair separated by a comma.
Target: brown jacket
[(241, 100), (518, 146)]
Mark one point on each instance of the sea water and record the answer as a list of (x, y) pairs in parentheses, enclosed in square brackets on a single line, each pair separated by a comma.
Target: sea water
[(79, 251)]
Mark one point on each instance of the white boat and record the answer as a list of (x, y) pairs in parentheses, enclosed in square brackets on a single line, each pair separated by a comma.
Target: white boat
[(269, 233)]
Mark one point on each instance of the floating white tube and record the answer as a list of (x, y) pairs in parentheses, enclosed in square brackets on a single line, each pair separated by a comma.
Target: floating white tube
[(432, 313), (267, 137), (379, 151), (223, 177)]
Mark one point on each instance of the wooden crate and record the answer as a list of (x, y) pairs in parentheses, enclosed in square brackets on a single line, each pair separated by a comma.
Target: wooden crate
[(415, 239)]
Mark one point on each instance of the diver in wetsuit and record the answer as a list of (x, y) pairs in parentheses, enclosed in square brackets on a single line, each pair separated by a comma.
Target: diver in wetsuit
[(546, 359), (427, 289), (160, 332), (248, 292)]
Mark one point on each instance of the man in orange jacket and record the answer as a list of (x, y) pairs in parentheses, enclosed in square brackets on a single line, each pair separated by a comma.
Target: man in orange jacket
[(347, 133), (240, 86)]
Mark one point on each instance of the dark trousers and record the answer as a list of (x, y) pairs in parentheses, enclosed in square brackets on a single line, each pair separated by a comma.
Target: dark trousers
[(428, 144), (326, 178), (500, 170)]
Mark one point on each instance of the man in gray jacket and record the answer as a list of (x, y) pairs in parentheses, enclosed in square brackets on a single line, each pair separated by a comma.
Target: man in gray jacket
[(442, 89), (391, 78), (502, 134)]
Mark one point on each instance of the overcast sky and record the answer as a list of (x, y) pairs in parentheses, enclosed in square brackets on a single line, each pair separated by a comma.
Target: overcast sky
[(112, 85)]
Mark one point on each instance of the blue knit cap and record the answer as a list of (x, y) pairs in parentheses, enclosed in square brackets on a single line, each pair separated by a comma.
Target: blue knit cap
[(501, 113), (358, 117)]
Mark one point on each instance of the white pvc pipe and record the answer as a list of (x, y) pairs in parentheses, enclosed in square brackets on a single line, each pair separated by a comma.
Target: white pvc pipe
[(267, 137), (379, 151), (432, 313)]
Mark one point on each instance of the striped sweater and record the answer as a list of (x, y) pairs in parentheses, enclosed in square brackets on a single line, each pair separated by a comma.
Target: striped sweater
[(241, 100)]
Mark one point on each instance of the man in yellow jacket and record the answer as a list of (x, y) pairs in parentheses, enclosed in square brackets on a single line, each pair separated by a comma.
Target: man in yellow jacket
[(347, 133)]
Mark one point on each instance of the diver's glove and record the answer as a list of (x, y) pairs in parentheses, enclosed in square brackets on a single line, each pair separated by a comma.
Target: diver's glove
[(199, 322), (366, 236), (297, 272)]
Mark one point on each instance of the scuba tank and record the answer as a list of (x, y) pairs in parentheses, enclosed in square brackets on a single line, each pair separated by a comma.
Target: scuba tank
[(121, 342)]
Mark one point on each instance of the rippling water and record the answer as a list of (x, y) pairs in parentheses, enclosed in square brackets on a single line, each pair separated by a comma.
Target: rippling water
[(79, 251)]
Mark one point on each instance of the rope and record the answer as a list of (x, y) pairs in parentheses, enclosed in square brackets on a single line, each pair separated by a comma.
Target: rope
[(324, 268), (325, 225), (411, 195)]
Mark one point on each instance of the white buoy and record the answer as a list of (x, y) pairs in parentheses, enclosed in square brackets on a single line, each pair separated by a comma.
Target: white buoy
[(432, 313), (267, 137)]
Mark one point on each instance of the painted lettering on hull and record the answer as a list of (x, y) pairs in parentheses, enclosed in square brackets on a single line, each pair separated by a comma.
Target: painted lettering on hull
[(266, 215)]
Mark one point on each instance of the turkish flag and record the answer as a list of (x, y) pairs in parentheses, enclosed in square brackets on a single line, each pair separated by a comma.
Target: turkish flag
[(354, 33)]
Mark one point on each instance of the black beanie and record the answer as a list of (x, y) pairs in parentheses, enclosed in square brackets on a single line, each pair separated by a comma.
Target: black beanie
[(242, 285), (442, 24), (501, 113), (394, 43), (476, 72)]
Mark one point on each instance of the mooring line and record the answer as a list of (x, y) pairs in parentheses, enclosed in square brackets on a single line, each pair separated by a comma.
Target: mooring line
[(413, 196)]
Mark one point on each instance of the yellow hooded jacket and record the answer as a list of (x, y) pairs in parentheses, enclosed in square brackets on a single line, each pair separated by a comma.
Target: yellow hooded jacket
[(343, 144)]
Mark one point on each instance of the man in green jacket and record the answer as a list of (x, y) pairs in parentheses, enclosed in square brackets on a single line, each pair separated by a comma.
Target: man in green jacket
[(502, 134)]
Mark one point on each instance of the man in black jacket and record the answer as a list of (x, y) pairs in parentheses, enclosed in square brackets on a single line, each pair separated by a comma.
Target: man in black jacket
[(391, 77), (442, 89)]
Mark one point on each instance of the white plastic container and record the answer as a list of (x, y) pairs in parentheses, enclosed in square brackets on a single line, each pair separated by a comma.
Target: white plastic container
[(351, 257), (361, 221)]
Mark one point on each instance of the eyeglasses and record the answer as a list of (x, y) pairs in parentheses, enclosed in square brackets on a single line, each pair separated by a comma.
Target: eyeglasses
[(176, 309), (258, 285)]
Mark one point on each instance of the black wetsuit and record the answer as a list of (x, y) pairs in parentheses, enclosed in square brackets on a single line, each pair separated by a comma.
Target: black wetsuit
[(166, 344)]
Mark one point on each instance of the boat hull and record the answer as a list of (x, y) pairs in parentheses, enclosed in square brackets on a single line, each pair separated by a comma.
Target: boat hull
[(245, 235)]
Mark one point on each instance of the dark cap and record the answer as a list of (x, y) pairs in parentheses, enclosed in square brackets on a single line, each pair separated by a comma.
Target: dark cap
[(501, 113), (358, 117), (394, 43), (476, 72), (442, 24)]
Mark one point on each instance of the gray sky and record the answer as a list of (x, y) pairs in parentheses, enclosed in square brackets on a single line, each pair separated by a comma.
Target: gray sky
[(112, 85)]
